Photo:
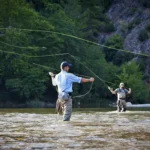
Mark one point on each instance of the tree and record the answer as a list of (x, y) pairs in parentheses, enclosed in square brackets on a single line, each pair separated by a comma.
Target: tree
[(112, 55), (30, 87), (130, 74)]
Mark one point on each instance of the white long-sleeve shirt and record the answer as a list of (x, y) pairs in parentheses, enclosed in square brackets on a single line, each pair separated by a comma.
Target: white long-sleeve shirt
[(64, 81)]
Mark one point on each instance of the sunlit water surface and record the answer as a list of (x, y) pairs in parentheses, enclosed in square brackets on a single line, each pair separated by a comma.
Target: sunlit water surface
[(86, 130)]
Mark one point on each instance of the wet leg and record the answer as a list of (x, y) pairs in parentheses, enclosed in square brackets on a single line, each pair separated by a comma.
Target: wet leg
[(67, 110), (124, 106), (118, 106)]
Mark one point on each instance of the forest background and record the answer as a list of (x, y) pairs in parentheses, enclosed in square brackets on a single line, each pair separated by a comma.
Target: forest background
[(23, 84)]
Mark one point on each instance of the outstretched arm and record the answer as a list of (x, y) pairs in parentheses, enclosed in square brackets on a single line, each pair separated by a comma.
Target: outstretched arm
[(53, 78), (111, 90), (84, 80), (129, 92), (73, 78)]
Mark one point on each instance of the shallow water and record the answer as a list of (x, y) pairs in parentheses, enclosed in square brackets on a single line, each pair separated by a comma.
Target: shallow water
[(86, 130)]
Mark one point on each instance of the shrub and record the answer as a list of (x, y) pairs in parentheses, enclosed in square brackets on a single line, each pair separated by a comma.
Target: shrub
[(143, 35), (148, 27), (123, 27), (134, 23), (132, 11), (132, 76), (111, 55), (145, 3), (109, 28)]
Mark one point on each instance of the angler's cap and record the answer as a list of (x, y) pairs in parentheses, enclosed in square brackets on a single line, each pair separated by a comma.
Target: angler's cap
[(121, 84), (65, 64)]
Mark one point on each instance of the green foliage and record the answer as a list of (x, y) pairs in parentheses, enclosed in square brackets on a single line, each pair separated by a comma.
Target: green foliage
[(134, 23), (148, 27), (132, 11), (93, 19), (123, 27), (143, 35), (28, 84), (108, 28), (90, 3), (111, 54), (145, 3), (131, 75), (114, 41)]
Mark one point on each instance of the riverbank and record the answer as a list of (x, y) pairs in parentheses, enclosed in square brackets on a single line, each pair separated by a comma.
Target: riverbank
[(52, 110)]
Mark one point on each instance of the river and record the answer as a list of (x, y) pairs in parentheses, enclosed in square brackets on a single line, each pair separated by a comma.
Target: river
[(42, 129)]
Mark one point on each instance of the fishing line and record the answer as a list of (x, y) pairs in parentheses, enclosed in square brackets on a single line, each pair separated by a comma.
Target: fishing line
[(75, 37), (61, 54), (46, 67), (49, 67), (85, 93), (52, 55), (22, 47), (24, 55), (30, 56), (78, 75), (79, 96), (91, 71)]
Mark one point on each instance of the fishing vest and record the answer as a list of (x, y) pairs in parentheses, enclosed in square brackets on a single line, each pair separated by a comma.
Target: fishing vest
[(121, 94)]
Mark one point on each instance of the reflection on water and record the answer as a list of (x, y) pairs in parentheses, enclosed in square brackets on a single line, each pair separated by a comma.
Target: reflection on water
[(90, 130)]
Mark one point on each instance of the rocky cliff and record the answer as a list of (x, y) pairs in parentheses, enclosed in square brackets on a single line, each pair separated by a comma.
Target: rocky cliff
[(130, 19)]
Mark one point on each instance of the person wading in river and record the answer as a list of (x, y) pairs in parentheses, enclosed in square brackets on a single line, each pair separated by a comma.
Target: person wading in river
[(121, 96), (64, 81)]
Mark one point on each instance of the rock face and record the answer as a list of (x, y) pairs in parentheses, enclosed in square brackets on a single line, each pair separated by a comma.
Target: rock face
[(129, 18)]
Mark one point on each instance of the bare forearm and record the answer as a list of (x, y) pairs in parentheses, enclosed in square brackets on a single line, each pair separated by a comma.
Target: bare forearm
[(53, 81), (53, 78), (113, 92), (84, 80), (129, 91)]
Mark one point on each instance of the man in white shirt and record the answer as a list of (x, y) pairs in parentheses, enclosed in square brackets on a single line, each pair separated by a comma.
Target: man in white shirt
[(64, 81)]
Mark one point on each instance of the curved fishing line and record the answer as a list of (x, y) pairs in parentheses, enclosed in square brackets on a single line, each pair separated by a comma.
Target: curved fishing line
[(13, 53), (22, 47), (61, 54), (25, 55), (46, 67), (91, 71), (29, 56), (75, 74), (85, 93), (49, 67), (75, 37), (43, 66)]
